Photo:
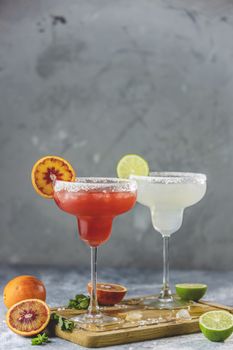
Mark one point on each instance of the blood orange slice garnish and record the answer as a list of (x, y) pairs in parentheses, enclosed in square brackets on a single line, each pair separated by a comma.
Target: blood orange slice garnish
[(108, 293), (46, 170), (28, 317)]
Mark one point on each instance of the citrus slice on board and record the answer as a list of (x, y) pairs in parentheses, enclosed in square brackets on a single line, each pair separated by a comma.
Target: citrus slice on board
[(108, 293), (46, 170), (216, 325), (28, 317), (191, 291), (132, 164)]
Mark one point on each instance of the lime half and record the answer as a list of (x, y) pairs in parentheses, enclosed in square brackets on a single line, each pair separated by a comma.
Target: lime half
[(191, 291), (216, 325), (132, 164)]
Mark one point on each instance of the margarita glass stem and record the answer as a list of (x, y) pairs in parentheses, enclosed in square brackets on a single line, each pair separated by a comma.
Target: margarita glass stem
[(93, 309), (165, 294)]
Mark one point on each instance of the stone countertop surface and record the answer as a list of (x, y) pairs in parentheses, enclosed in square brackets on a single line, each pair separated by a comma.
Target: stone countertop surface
[(62, 284)]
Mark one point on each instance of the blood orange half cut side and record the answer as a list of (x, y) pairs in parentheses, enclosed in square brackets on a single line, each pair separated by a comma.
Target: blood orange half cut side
[(46, 170), (28, 317), (108, 293)]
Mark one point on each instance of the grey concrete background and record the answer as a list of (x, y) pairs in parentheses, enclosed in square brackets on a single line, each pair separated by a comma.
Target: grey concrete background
[(104, 79)]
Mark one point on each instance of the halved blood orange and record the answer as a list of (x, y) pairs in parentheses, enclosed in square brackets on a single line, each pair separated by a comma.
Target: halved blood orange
[(108, 293), (46, 170), (28, 317)]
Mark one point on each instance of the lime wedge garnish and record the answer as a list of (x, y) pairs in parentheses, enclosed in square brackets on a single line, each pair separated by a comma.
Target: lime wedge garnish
[(216, 325), (132, 164), (191, 291)]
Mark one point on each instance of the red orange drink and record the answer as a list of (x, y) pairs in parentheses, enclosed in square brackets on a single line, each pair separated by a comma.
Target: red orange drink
[(95, 202), (95, 211)]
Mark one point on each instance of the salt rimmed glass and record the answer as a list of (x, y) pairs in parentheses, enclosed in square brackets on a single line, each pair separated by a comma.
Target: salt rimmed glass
[(95, 202), (167, 194)]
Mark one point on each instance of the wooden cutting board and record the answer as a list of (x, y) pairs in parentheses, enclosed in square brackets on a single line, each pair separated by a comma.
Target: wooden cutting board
[(131, 330)]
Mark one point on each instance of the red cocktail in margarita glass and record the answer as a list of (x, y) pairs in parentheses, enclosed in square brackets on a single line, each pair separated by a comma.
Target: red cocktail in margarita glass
[(95, 202), (95, 211)]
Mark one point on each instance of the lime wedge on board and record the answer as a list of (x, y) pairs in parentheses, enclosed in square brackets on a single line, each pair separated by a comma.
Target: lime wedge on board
[(191, 291)]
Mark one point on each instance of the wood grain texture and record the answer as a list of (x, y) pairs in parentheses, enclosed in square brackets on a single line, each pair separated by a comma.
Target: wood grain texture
[(124, 336), (130, 334)]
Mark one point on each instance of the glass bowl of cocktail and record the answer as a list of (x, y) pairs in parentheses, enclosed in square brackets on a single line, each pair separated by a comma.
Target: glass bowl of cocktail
[(167, 194), (95, 202)]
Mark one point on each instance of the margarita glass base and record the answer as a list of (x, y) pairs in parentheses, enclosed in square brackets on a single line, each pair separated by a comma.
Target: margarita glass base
[(171, 303), (97, 321)]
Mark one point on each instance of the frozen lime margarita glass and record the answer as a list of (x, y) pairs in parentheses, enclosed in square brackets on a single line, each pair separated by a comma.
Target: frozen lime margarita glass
[(167, 194)]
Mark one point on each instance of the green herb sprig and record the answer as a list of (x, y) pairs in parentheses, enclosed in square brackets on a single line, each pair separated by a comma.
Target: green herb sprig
[(80, 302), (40, 339), (63, 323)]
